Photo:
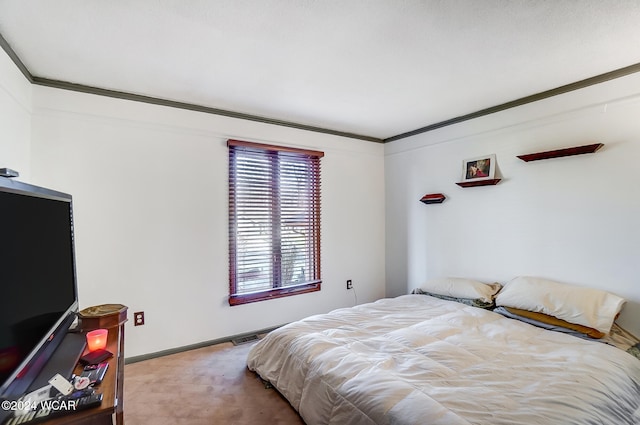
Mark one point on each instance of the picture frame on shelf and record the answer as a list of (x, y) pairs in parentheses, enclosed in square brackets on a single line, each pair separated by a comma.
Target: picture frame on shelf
[(479, 168)]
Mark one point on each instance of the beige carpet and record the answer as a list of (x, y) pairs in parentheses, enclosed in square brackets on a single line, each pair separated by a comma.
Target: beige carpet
[(210, 385)]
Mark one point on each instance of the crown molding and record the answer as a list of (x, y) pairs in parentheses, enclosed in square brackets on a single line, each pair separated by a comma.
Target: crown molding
[(16, 60), (64, 85), (621, 72)]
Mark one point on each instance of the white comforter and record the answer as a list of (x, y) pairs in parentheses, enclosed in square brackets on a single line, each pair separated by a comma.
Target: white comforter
[(416, 359)]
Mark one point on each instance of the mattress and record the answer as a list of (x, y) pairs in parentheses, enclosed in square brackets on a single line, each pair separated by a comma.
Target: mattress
[(416, 359)]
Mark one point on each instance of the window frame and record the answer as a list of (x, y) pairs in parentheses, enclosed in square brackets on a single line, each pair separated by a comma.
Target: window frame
[(311, 285)]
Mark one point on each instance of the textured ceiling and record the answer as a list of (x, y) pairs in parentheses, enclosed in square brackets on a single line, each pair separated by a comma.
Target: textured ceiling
[(375, 68)]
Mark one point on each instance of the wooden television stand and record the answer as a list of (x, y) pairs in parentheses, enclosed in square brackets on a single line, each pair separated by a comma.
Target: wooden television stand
[(111, 410)]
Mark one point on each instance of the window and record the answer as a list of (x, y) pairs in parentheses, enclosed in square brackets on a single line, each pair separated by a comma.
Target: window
[(274, 221)]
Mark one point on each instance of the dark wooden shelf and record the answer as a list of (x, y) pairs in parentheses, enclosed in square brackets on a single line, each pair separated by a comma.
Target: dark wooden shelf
[(433, 198), (473, 183), (578, 150)]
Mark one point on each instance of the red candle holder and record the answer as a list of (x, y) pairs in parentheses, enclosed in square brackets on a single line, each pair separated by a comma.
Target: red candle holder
[(97, 340)]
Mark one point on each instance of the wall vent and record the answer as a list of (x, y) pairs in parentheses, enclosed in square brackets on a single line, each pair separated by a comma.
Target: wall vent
[(244, 339)]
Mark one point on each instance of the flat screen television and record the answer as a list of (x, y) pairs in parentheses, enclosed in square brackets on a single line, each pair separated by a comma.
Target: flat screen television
[(38, 290)]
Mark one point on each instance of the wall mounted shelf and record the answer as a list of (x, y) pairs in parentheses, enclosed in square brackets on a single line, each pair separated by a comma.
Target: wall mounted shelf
[(473, 183), (578, 150), (433, 198)]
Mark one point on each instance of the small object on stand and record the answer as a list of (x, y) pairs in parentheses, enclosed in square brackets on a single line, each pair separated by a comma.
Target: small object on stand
[(95, 357), (8, 172), (103, 316), (95, 373), (61, 384), (81, 382), (97, 339)]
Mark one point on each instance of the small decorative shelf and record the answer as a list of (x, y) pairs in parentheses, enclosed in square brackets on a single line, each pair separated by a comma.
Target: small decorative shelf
[(433, 198), (578, 150), (473, 183)]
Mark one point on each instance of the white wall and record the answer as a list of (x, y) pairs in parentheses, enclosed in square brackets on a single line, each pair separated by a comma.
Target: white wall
[(150, 200), (571, 219), (15, 118), (149, 186)]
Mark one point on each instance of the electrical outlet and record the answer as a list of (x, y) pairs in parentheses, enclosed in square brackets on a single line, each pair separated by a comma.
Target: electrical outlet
[(349, 284), (138, 318)]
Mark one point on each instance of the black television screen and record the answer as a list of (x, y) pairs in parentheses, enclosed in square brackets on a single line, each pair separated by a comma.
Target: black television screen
[(38, 290)]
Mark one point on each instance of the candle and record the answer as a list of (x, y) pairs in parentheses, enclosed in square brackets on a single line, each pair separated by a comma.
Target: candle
[(97, 340)]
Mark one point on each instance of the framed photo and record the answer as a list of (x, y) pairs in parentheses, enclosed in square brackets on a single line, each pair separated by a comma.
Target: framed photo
[(479, 168)]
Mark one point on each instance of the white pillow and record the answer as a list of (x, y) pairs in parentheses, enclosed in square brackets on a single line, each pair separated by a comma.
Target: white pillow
[(462, 288), (590, 307)]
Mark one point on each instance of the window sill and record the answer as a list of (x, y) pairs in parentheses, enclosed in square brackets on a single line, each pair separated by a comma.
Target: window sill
[(238, 299)]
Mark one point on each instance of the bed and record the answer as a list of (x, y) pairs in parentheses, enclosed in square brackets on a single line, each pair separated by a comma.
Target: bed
[(423, 359)]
